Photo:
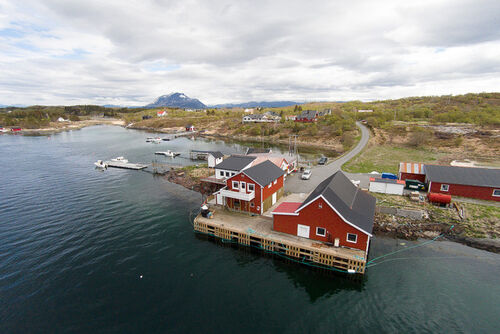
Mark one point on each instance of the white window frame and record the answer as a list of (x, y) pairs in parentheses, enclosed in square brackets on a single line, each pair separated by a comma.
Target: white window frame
[(347, 238), (275, 181), (227, 174), (319, 234), (251, 185), (243, 185), (270, 184), (320, 205), (221, 173), (445, 187), (236, 185), (233, 174), (493, 194)]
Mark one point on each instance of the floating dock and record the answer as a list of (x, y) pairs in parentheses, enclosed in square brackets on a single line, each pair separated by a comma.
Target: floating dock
[(257, 232), (125, 165)]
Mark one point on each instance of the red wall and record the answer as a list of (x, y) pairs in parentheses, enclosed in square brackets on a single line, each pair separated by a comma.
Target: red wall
[(274, 188), (465, 191), (411, 176), (245, 206), (325, 217)]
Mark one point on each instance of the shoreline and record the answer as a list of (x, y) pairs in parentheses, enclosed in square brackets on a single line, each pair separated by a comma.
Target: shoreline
[(69, 126)]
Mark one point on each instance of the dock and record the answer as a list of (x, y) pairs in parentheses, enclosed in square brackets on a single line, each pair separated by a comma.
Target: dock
[(125, 165), (257, 232)]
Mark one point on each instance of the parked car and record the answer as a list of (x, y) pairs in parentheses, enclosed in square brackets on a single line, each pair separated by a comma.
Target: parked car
[(414, 185), (322, 160), (389, 176), (306, 175)]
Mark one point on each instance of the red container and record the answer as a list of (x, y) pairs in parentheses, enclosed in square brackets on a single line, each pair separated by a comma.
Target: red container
[(439, 198)]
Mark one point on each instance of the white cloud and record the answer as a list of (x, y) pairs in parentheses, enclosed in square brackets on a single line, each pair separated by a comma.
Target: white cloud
[(93, 51)]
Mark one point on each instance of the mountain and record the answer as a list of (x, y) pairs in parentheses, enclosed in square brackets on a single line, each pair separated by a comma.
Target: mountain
[(177, 100), (253, 104)]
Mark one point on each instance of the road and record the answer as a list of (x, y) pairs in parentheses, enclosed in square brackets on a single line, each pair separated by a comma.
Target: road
[(295, 184)]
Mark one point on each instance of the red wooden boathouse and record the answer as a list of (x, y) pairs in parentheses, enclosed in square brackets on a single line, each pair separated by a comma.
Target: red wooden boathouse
[(336, 212)]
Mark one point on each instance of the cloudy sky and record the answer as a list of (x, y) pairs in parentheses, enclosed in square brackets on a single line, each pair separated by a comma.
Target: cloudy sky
[(130, 52)]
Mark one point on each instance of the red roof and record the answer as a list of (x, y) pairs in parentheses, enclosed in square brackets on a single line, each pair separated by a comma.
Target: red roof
[(287, 207)]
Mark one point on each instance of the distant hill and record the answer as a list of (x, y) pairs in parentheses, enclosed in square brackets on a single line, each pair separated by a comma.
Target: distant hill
[(177, 100), (254, 104)]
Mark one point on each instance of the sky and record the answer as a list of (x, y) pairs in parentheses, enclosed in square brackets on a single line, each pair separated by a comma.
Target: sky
[(55, 52)]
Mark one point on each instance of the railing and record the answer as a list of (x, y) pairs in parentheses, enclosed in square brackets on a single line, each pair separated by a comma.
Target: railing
[(238, 195)]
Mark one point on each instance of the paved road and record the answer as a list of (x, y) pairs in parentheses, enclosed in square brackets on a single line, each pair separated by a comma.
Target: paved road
[(295, 184)]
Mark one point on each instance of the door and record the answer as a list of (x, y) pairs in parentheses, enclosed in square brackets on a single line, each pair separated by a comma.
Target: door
[(337, 242), (303, 231), (274, 198)]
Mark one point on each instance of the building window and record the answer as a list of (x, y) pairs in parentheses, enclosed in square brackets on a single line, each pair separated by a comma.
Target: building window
[(243, 185), (275, 181), (221, 173), (227, 174), (496, 192), (320, 205), (352, 237), (320, 231), (251, 187), (233, 174), (235, 185), (252, 205), (445, 187)]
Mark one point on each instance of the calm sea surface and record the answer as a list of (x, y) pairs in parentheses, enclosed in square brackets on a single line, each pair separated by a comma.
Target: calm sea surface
[(74, 242)]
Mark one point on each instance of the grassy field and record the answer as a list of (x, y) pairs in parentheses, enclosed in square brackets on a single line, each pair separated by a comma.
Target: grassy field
[(386, 158)]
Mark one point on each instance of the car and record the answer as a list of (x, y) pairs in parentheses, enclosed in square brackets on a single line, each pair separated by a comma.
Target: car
[(322, 160), (306, 175)]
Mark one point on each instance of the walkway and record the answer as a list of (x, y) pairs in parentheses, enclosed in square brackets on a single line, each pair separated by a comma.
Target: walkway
[(295, 184)]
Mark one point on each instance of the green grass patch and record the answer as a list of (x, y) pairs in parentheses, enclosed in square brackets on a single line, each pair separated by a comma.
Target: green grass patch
[(386, 158)]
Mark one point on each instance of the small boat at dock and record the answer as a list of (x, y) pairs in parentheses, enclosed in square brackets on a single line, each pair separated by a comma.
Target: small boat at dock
[(168, 153), (120, 159)]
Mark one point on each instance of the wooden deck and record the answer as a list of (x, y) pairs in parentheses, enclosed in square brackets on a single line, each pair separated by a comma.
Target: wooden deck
[(125, 165), (257, 231)]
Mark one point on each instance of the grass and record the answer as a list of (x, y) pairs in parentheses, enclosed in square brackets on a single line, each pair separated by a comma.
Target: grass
[(386, 158)]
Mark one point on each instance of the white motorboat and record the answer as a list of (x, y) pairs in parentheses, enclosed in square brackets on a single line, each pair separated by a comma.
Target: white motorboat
[(168, 153), (120, 159), (154, 140), (101, 164)]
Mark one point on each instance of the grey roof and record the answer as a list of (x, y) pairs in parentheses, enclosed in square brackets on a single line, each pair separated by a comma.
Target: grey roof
[(264, 173), (254, 116), (309, 114), (470, 176), (351, 202), (235, 162), (216, 154), (253, 150)]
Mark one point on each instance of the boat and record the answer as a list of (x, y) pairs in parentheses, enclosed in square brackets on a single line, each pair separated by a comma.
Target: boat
[(154, 140), (168, 153), (101, 164), (120, 159), (165, 139)]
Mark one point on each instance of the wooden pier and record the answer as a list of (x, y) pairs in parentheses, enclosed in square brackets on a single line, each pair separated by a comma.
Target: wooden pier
[(125, 165), (257, 232)]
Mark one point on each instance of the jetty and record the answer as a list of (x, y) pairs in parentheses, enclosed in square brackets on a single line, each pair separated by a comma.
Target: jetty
[(258, 232), (125, 165)]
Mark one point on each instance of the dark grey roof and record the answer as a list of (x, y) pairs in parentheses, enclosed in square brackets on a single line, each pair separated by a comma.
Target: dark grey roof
[(309, 114), (254, 116), (351, 202), (235, 162), (252, 150), (264, 173), (216, 154), (470, 176)]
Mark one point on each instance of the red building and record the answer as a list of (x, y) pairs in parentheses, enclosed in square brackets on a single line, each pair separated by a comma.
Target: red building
[(254, 190), (412, 171), (307, 116), (336, 212), (481, 183)]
